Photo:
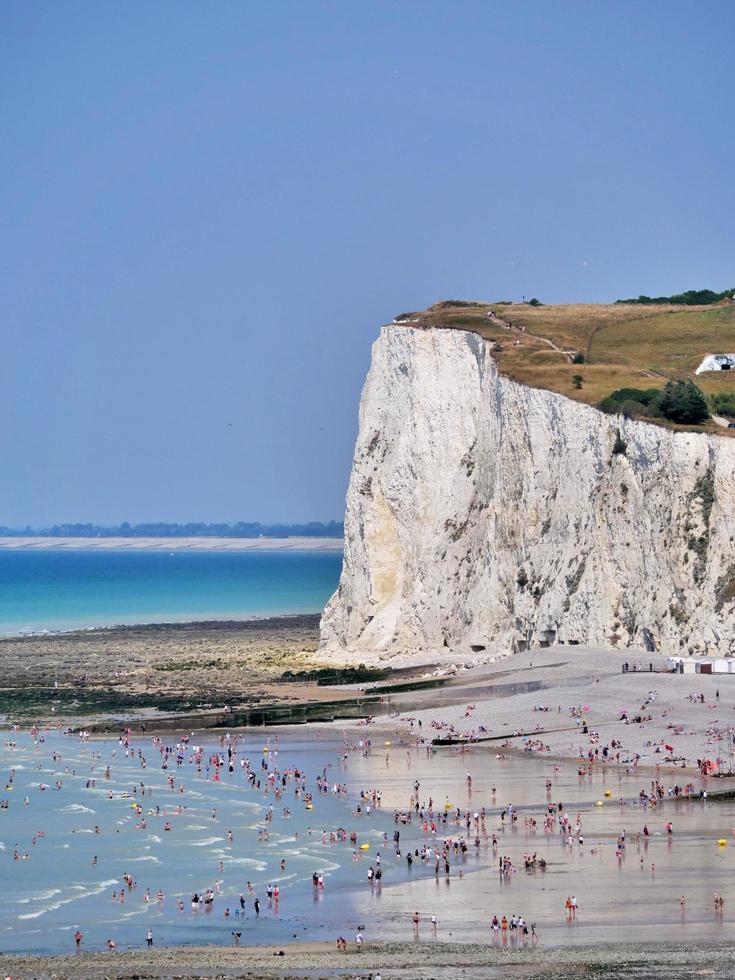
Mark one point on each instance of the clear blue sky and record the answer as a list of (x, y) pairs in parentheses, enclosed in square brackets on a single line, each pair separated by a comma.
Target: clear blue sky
[(209, 208)]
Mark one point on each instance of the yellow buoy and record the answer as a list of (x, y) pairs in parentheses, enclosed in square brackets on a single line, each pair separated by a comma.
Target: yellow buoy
[(599, 803), (722, 842), (364, 847), (608, 792), (266, 749), (387, 743), (309, 806)]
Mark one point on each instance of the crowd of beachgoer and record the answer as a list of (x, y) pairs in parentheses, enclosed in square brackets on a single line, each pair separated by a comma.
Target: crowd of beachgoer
[(444, 836)]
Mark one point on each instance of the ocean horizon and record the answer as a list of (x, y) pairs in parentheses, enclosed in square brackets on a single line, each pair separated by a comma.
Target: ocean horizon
[(58, 591)]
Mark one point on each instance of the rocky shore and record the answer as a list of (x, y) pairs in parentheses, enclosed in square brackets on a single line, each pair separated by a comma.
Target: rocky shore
[(418, 961), (166, 667)]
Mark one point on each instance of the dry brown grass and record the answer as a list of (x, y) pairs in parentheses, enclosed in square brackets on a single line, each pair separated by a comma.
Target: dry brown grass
[(624, 345)]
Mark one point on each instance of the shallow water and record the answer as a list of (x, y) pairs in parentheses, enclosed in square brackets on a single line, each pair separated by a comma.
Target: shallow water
[(57, 889)]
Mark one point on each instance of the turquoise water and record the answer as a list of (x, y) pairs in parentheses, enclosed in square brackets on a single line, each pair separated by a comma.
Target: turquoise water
[(54, 590)]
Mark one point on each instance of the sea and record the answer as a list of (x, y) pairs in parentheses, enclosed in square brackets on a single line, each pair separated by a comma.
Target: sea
[(80, 814), (66, 590)]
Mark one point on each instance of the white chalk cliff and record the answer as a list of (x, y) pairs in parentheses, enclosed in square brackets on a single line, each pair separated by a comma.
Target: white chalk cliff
[(485, 516)]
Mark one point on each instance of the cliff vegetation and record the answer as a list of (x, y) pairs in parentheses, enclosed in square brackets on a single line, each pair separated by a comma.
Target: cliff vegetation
[(590, 352)]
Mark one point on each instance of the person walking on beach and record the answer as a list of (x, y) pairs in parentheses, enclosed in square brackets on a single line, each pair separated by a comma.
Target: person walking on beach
[(416, 925), (149, 938), (78, 937)]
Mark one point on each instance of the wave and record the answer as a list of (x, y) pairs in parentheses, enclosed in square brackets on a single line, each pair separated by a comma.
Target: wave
[(250, 863), (76, 808), (43, 896), (207, 842), (88, 893)]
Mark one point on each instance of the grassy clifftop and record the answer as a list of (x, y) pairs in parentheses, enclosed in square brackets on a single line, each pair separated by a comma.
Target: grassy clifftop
[(623, 345)]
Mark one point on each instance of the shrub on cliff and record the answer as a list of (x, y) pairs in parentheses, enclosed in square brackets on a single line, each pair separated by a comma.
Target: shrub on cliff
[(683, 402), (724, 403), (632, 402)]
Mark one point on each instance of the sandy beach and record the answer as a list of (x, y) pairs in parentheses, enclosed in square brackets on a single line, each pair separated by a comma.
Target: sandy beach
[(622, 903), (578, 687), (40, 543)]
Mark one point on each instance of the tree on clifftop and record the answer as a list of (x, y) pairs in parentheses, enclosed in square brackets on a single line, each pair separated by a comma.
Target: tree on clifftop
[(683, 402)]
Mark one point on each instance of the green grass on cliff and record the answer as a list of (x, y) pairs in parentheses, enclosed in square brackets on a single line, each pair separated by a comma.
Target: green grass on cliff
[(624, 345)]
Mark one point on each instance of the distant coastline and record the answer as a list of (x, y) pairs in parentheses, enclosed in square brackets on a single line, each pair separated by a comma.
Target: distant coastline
[(295, 543)]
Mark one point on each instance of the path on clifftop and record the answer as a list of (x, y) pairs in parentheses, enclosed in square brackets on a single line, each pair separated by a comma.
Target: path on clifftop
[(508, 325)]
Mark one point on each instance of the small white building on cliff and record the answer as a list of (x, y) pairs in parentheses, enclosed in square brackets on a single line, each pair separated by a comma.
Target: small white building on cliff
[(717, 362)]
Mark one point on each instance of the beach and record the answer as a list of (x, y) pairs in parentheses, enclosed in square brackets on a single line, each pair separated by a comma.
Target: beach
[(48, 543), (577, 776), (100, 806), (550, 695)]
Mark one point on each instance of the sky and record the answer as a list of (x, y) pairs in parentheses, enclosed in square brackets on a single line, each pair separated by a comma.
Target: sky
[(208, 209)]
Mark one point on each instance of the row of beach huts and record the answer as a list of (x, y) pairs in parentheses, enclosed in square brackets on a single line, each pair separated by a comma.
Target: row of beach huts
[(700, 665)]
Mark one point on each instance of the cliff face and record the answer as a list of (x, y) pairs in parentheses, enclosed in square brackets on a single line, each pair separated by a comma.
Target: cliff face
[(483, 515)]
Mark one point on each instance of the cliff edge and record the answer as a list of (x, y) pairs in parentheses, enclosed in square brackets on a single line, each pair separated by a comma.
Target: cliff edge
[(484, 516)]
